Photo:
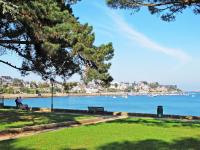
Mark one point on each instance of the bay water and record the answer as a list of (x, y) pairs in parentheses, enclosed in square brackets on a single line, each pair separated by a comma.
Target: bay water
[(177, 105)]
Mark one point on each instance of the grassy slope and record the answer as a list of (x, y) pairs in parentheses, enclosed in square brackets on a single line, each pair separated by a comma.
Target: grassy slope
[(18, 118), (145, 134)]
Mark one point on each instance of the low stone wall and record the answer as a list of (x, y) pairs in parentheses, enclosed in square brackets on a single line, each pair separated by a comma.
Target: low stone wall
[(38, 127), (9, 107), (109, 113)]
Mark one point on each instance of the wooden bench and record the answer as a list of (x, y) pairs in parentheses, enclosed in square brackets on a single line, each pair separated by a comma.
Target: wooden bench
[(93, 109)]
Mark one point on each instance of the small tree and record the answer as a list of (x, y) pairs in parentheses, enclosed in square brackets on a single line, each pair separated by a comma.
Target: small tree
[(68, 86), (116, 85), (154, 85)]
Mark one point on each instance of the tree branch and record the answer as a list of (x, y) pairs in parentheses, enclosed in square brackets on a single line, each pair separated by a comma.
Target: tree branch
[(17, 51), (13, 66), (185, 2), (15, 42)]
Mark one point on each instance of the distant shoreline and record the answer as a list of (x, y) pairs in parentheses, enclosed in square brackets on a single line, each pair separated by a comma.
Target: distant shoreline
[(46, 95)]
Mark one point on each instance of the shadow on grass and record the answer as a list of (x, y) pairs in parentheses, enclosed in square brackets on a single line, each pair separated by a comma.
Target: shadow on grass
[(11, 145), (159, 122), (152, 144), (73, 149), (18, 118)]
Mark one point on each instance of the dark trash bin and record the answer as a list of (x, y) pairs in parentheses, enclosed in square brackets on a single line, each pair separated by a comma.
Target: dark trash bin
[(160, 111)]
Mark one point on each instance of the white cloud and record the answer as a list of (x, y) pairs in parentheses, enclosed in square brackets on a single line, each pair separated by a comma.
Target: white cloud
[(146, 42), (119, 24), (104, 31)]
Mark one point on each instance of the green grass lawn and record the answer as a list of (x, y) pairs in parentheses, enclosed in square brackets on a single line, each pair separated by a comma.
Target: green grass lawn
[(127, 134), (11, 118)]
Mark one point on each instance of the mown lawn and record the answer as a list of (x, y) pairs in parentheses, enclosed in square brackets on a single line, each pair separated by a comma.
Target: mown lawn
[(11, 118), (127, 134)]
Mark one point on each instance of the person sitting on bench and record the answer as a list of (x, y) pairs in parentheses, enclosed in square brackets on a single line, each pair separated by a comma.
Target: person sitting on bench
[(18, 102)]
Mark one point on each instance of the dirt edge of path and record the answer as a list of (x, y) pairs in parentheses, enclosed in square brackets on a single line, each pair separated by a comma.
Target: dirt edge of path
[(32, 130)]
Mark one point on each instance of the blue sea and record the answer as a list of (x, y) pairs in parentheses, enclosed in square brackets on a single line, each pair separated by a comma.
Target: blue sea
[(178, 105)]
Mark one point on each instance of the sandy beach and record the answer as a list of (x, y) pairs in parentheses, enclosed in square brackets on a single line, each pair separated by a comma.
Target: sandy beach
[(23, 95)]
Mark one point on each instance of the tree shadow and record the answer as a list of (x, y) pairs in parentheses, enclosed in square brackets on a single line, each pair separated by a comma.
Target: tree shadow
[(159, 122), (10, 145), (73, 149), (150, 144), (19, 118), (154, 144)]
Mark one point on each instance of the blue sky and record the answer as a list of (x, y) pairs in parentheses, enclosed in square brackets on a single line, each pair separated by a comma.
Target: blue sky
[(146, 48)]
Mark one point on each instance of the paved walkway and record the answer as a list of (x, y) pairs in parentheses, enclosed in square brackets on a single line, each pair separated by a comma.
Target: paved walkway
[(32, 130)]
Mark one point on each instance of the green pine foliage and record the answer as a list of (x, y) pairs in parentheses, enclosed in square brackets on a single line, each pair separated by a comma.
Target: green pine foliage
[(51, 41), (167, 9)]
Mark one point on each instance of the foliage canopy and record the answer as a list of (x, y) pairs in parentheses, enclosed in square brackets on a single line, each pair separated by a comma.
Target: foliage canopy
[(167, 9), (51, 41)]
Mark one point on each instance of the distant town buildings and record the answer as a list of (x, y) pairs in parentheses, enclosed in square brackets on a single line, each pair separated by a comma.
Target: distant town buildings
[(13, 86)]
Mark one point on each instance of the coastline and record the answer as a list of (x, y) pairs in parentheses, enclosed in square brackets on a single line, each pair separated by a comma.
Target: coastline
[(11, 96), (46, 95)]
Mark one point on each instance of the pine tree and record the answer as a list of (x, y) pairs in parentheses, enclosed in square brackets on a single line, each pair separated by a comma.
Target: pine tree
[(51, 41)]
